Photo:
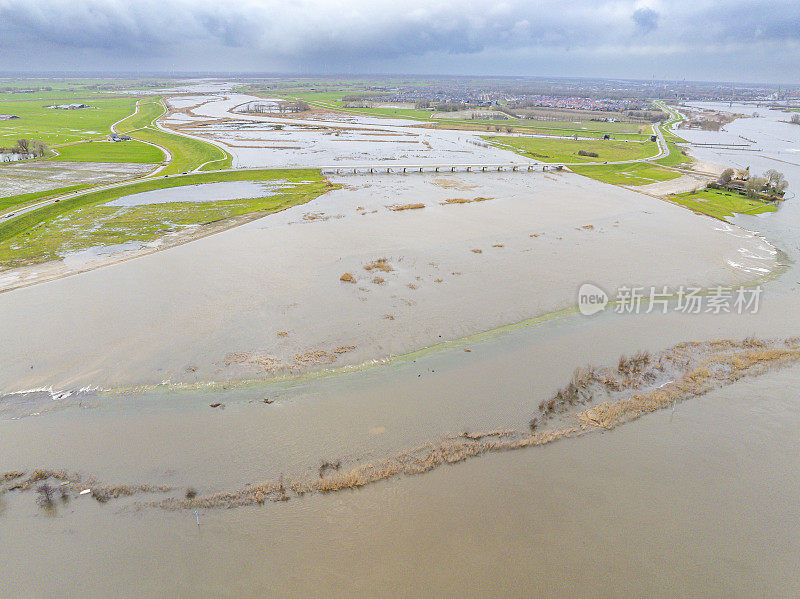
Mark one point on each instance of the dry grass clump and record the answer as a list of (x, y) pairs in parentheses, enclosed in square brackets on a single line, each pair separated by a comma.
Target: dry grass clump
[(411, 286), (498, 245), (314, 357), (347, 278), (8, 476), (438, 280), (586, 228), (44, 483), (388, 316), (406, 207), (283, 333), (326, 465), (477, 251), (464, 200), (379, 280), (453, 184), (381, 264)]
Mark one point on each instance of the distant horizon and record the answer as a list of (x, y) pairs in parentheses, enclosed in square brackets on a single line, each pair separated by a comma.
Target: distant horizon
[(201, 74)]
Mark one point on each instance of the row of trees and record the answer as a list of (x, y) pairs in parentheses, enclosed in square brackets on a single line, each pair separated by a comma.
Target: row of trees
[(26, 147), (771, 183)]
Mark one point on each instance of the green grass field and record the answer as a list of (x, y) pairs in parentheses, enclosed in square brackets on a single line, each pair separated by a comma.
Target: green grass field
[(106, 151), (85, 221), (55, 127), (479, 126), (566, 150), (721, 204), (637, 173), (187, 153)]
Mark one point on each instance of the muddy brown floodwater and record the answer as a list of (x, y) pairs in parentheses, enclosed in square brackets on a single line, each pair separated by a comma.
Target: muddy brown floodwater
[(697, 499)]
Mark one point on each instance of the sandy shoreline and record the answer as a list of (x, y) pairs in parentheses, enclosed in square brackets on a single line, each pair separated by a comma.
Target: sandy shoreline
[(265, 299)]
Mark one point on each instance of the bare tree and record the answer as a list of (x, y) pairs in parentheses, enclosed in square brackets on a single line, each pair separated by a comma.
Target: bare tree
[(795, 118), (725, 177), (23, 146), (776, 181), (755, 186)]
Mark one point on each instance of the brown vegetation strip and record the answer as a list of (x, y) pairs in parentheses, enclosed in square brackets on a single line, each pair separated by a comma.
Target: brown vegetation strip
[(636, 386), (594, 399), (465, 200), (407, 207)]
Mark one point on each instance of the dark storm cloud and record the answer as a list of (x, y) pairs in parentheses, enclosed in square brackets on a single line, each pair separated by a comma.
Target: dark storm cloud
[(646, 18), (303, 33)]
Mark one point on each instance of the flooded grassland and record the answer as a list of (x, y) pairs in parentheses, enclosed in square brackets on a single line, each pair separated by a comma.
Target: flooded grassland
[(435, 473)]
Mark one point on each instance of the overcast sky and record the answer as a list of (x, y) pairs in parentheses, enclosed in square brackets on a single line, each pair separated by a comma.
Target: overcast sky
[(723, 40)]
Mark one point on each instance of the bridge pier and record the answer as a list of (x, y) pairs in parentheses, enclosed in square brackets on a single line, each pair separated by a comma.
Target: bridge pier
[(452, 170), (404, 170), (483, 169), (420, 168), (469, 168), (437, 169)]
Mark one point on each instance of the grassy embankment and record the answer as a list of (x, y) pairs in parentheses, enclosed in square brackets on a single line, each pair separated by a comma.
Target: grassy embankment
[(85, 221), (187, 154), (721, 204), (676, 157), (566, 150), (25, 198)]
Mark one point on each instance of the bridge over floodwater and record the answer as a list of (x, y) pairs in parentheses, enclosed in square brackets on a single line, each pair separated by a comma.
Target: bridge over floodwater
[(400, 169)]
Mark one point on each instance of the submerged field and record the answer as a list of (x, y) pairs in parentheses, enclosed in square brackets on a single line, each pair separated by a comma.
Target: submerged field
[(88, 220), (334, 101)]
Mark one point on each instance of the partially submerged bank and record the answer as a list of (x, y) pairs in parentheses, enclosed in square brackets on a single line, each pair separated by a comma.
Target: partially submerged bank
[(595, 399), (144, 216), (265, 300)]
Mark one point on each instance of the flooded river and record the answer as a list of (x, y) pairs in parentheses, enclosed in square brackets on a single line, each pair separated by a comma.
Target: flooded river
[(697, 500)]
